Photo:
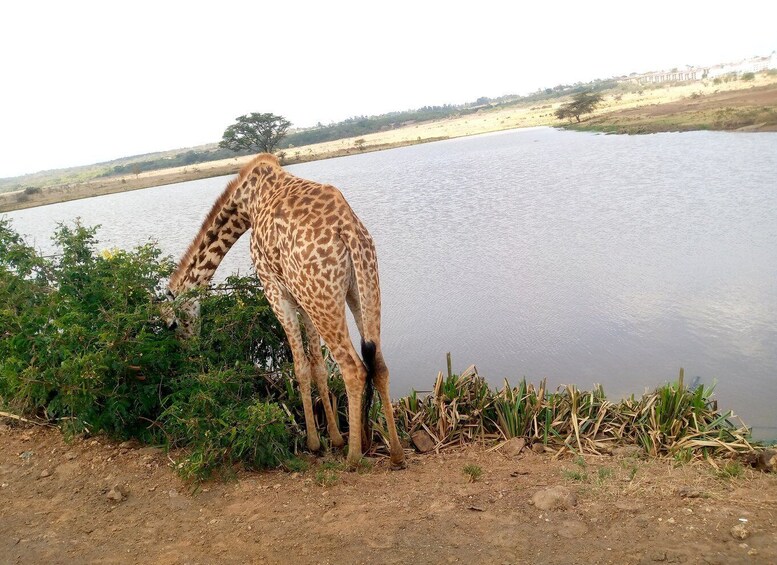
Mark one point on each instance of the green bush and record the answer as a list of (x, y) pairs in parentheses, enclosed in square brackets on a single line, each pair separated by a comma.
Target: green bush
[(83, 344), (220, 417)]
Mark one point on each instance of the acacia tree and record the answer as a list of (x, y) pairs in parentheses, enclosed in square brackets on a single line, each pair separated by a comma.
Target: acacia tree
[(582, 103), (255, 132)]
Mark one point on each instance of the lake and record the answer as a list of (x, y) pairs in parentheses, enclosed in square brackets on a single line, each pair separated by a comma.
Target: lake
[(579, 257)]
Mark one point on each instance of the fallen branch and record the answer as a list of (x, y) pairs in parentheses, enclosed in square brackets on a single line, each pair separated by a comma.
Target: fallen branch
[(25, 420)]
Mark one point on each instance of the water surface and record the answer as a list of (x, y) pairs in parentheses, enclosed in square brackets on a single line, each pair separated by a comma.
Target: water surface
[(578, 257)]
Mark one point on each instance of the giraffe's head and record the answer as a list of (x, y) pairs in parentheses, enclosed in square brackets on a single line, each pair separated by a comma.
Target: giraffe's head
[(181, 314)]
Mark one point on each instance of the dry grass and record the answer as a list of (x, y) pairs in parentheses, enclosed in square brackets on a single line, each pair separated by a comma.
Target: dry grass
[(673, 419)]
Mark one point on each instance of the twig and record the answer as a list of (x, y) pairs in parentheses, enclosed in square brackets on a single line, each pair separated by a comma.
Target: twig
[(25, 420)]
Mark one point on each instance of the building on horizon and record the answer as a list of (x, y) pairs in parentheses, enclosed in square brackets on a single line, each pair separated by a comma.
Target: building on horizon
[(689, 73)]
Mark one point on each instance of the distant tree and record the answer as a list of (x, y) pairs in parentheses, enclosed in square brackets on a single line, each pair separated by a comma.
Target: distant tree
[(582, 103), (255, 132), (748, 76)]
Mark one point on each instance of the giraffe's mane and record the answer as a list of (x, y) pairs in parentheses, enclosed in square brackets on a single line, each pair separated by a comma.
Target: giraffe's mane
[(244, 171)]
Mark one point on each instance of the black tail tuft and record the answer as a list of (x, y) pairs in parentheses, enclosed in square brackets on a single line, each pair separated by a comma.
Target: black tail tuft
[(368, 356)]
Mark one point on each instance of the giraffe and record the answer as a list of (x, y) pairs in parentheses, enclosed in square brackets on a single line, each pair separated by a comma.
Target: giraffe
[(313, 256)]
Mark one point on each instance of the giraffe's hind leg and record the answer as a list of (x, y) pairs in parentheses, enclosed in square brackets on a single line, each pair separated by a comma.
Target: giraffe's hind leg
[(285, 308), (382, 384), (331, 323), (318, 368)]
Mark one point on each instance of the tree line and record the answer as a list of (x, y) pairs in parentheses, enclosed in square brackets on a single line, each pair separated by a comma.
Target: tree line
[(254, 132)]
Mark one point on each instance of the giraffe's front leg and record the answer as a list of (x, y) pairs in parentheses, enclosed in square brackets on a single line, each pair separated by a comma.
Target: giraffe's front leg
[(285, 309), (318, 369)]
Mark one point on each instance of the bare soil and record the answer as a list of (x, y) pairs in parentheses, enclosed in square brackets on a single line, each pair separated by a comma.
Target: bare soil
[(93, 500), (749, 109)]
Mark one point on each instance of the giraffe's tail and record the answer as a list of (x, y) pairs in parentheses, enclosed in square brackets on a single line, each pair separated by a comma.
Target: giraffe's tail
[(362, 251), (368, 356)]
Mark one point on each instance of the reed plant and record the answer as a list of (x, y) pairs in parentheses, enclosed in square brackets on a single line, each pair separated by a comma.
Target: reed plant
[(673, 419)]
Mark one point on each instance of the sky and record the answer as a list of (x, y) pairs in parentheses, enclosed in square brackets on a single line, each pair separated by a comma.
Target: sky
[(85, 82)]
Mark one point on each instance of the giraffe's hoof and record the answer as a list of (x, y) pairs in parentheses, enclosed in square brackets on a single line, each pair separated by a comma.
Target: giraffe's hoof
[(352, 463), (398, 465), (314, 444), (337, 440)]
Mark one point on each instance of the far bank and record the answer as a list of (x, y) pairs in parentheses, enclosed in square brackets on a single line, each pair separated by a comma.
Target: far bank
[(729, 106)]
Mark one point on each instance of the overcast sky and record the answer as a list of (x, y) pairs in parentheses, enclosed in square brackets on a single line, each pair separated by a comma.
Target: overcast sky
[(83, 82)]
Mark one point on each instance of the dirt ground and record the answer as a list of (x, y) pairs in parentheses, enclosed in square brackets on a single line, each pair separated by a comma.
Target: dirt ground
[(750, 109), (92, 500)]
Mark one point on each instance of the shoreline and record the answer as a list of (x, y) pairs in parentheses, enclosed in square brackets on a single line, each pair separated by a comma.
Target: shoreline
[(737, 106), (20, 200)]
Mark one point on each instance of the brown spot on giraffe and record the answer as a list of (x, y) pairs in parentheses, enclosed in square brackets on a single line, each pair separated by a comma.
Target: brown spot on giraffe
[(313, 256)]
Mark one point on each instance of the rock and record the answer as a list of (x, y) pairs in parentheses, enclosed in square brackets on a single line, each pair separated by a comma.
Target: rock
[(752, 552), (629, 505), (127, 444), (513, 447), (538, 448), (689, 492), (26, 455), (114, 495), (740, 531), (627, 451), (767, 461), (554, 498), (117, 493), (70, 455), (45, 473), (423, 441), (572, 529)]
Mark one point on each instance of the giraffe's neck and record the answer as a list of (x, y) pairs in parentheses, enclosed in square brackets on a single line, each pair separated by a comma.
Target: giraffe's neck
[(226, 222)]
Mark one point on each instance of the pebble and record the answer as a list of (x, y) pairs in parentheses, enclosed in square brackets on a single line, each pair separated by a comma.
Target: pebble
[(689, 492), (538, 448), (117, 493), (423, 441), (45, 473), (573, 529), (767, 461), (554, 498), (513, 446), (740, 531), (627, 451)]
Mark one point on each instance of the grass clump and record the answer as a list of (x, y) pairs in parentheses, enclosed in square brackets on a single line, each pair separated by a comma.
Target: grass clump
[(603, 474), (473, 472), (730, 470), (328, 473), (575, 475)]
